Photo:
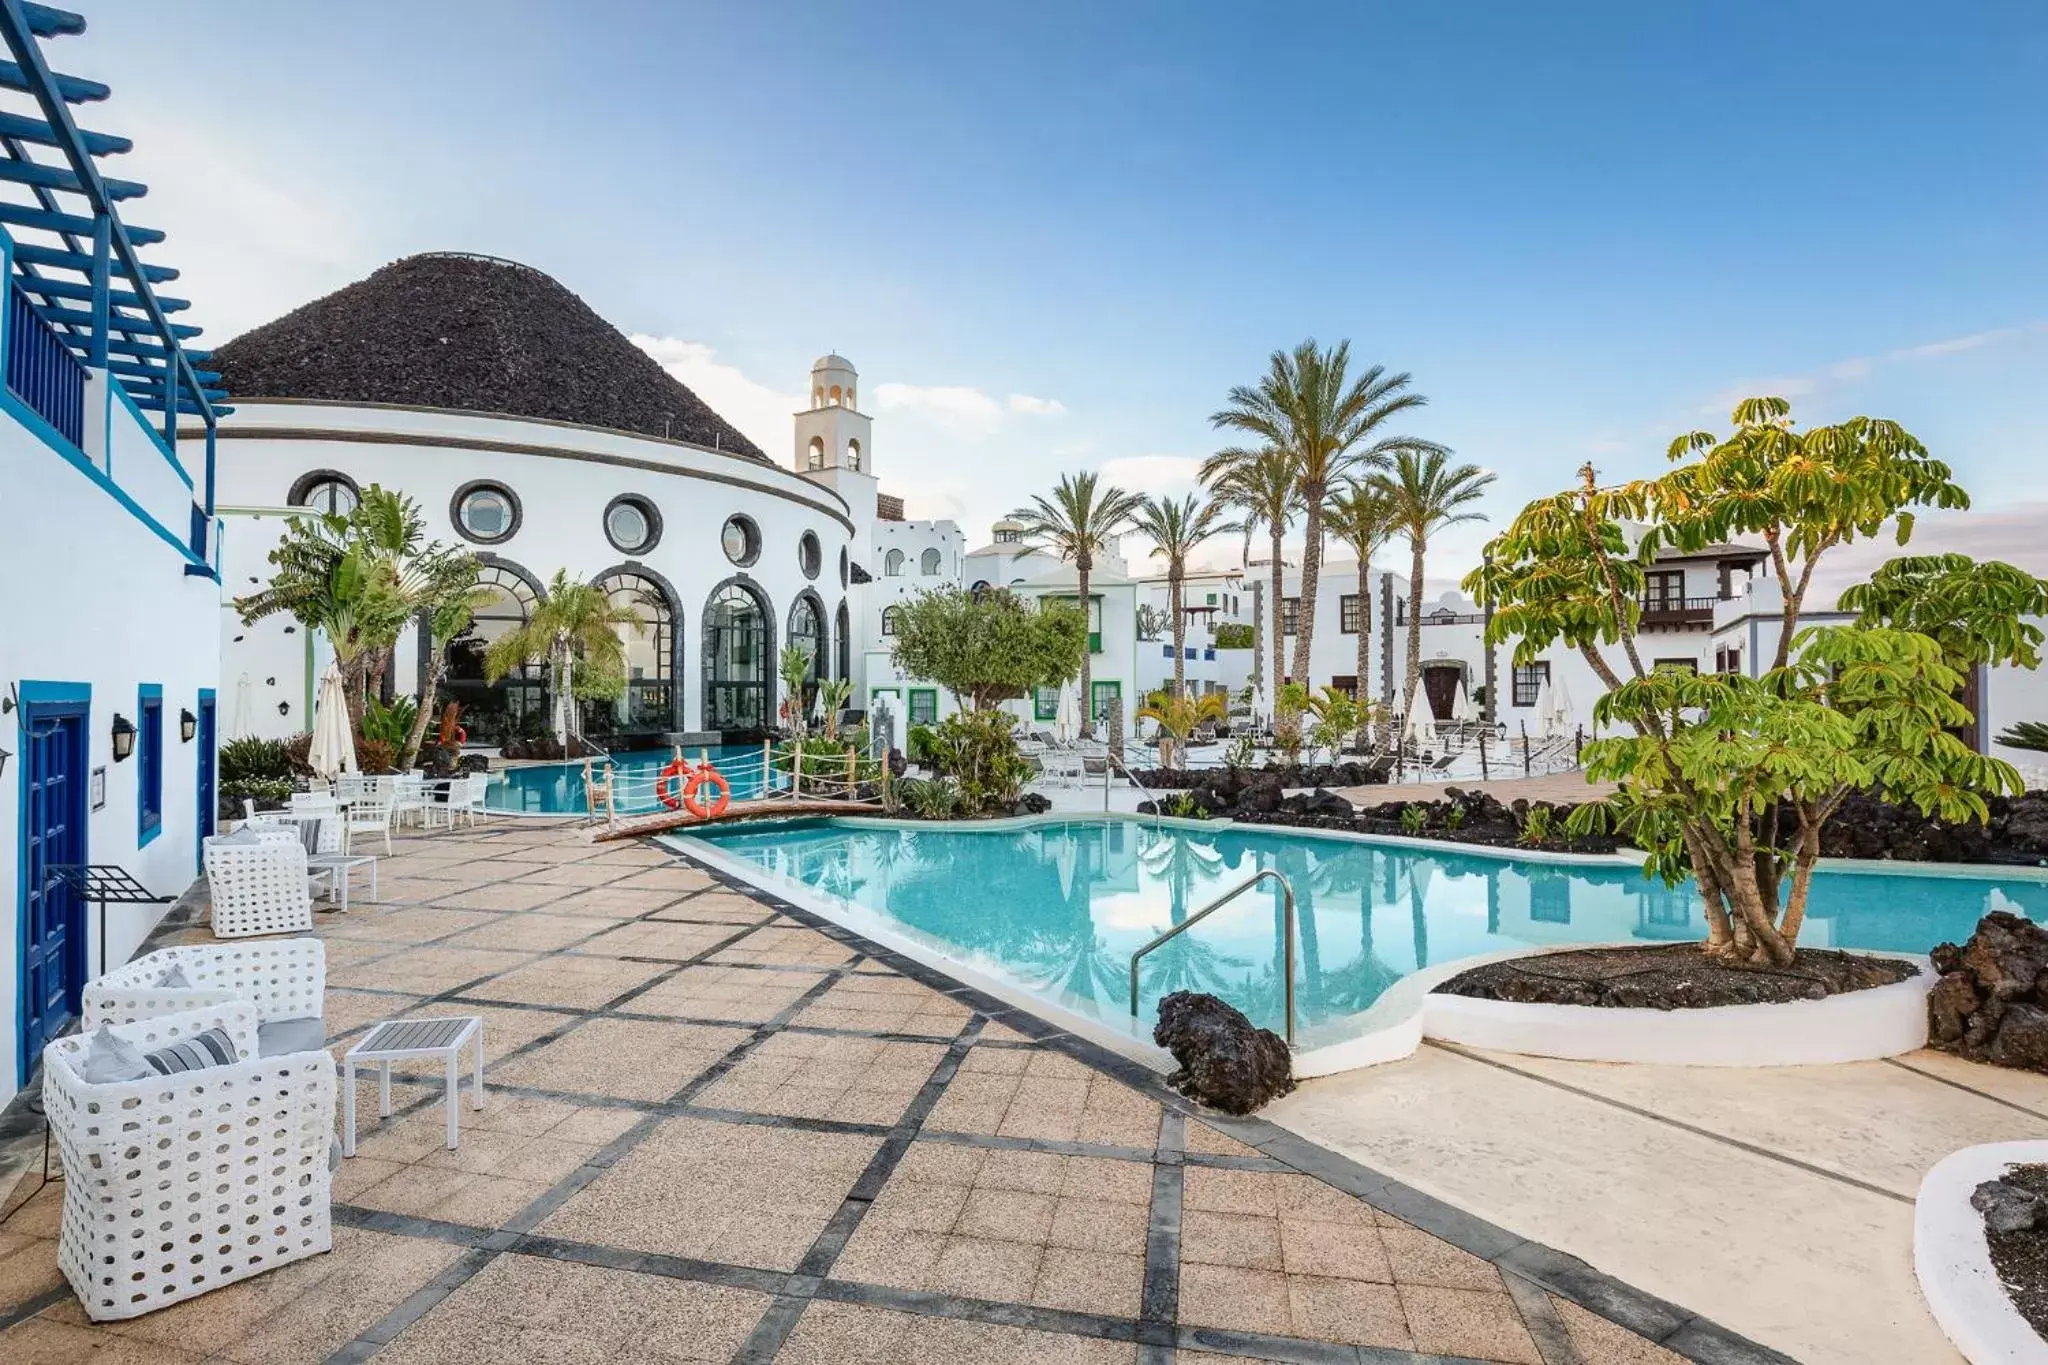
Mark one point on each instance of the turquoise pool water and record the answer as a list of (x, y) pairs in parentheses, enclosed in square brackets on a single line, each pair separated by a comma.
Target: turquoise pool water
[(1060, 907), (557, 788)]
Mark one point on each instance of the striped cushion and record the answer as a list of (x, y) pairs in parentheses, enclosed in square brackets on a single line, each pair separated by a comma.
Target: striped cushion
[(211, 1048)]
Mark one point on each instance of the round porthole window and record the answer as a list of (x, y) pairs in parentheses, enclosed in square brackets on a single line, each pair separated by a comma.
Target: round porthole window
[(809, 557), (325, 491), (632, 525), (742, 540), (485, 512)]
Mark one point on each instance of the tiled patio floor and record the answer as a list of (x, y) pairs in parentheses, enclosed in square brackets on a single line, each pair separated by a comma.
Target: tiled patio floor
[(716, 1133)]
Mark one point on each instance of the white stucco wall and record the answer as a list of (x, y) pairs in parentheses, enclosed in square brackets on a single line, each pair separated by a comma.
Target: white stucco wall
[(98, 598), (563, 477)]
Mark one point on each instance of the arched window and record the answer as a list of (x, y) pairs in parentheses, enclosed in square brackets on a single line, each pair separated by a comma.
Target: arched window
[(815, 459), (738, 650), (648, 703), (835, 395), (493, 712), (981, 585), (818, 397), (807, 632), (842, 627), (853, 455), (928, 562), (892, 564), (889, 620)]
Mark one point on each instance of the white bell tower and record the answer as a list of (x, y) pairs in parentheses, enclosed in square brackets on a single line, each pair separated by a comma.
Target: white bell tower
[(833, 433), (835, 447)]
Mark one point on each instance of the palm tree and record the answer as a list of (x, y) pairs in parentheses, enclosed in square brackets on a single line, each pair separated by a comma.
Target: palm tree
[(1363, 518), (1077, 523), (1426, 493), (1307, 407), (1179, 717), (1260, 485), (575, 622), (1176, 528), (451, 599), (358, 579)]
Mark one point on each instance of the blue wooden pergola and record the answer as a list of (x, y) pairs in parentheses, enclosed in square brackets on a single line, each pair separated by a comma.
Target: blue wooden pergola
[(85, 279)]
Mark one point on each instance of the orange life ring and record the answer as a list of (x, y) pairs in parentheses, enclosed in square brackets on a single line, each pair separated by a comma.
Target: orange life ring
[(707, 776), (672, 777), (461, 735)]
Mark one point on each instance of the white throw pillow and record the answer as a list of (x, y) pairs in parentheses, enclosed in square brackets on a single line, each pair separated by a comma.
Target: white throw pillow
[(174, 978)]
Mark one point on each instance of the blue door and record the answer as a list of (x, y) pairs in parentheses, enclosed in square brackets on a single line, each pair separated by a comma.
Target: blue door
[(209, 768), (53, 807)]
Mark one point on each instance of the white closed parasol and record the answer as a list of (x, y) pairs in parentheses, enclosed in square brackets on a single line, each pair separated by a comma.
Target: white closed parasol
[(333, 750), (1420, 730)]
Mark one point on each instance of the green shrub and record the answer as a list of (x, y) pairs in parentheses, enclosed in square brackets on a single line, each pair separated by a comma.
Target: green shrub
[(264, 791), (920, 746), (1238, 753), (1536, 825), (930, 798), (375, 755), (389, 723), (977, 751), (1184, 806), (1454, 818), (252, 758), (1414, 819), (1233, 635)]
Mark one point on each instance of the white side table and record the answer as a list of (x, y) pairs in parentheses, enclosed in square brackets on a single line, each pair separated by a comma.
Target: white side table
[(402, 1039), (343, 866)]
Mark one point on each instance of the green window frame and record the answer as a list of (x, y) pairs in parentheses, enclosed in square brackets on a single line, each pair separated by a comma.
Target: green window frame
[(1045, 703), (1098, 699), (924, 706)]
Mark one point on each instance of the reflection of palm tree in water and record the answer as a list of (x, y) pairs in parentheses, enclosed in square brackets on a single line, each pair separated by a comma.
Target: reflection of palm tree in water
[(1066, 950), (1419, 873), (1186, 962), (1356, 985)]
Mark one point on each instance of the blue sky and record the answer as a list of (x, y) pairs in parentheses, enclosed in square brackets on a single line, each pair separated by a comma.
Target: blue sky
[(1052, 236)]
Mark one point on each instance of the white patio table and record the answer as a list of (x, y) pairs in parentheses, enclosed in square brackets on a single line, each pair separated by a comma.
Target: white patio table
[(401, 1040)]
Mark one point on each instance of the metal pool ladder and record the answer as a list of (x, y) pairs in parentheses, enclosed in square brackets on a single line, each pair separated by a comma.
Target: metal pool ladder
[(1287, 948)]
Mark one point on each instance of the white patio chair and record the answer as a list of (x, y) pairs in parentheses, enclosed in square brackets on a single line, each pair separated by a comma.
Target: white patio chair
[(1062, 768), (259, 887), (473, 798), (285, 979), (165, 1199), (369, 813), (348, 786), (408, 799), (454, 794)]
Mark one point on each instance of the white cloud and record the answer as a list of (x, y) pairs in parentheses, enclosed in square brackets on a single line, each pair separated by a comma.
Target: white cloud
[(761, 412), (1153, 473), (1857, 368), (961, 408), (2016, 533)]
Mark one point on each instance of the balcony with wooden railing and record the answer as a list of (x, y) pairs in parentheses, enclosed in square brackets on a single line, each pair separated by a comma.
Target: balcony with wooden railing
[(1678, 611)]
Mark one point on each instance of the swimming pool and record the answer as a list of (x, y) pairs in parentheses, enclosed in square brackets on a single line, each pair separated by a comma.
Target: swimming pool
[(1057, 907), (557, 788)]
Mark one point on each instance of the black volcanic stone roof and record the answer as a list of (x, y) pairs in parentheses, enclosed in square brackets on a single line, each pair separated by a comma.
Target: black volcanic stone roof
[(473, 333)]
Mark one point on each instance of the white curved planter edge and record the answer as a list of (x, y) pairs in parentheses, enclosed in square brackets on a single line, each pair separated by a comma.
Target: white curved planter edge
[(1953, 1260), (1859, 1026)]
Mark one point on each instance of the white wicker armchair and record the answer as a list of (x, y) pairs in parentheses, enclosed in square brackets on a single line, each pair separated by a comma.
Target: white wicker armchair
[(285, 979), (179, 1184), (259, 888)]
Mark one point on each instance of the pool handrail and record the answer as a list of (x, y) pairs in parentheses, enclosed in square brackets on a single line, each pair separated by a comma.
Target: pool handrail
[(1287, 947), (1111, 765)]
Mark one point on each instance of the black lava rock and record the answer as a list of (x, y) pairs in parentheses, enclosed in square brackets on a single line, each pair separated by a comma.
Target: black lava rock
[(2008, 1208), (1225, 1062), (1988, 1005)]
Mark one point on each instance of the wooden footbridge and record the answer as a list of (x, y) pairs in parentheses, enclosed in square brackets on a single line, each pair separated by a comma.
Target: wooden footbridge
[(835, 781)]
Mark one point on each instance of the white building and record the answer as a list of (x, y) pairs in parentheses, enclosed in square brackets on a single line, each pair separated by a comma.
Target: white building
[(108, 546), (528, 429)]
